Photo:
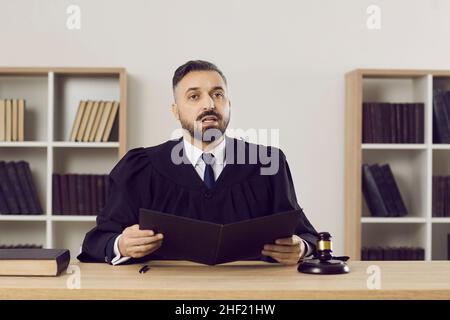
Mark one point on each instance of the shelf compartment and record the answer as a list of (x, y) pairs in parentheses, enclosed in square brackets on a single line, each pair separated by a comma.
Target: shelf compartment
[(70, 89), (409, 170), (407, 89), (23, 232), (394, 235), (84, 160), (70, 235), (34, 89), (37, 159), (440, 250)]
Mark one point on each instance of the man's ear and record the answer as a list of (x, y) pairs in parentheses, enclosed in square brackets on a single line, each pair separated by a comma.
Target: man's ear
[(175, 111)]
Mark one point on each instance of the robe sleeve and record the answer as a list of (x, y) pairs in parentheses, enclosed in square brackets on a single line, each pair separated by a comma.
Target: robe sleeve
[(284, 199), (129, 184)]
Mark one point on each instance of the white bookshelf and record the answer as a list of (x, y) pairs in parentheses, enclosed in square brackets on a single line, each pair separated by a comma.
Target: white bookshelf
[(52, 97), (413, 165)]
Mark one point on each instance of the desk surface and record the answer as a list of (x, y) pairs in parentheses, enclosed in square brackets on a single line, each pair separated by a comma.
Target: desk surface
[(238, 280)]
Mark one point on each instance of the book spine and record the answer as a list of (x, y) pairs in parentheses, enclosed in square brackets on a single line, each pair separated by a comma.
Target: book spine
[(3, 204), (434, 193), (439, 111), (372, 194), (18, 192), (81, 203), (56, 188), (65, 194), (32, 186), (73, 199), (88, 194), (100, 192), (399, 203), (22, 175), (383, 188), (94, 194)]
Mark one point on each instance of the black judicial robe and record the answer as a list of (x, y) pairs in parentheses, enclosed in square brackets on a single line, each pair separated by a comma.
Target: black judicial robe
[(148, 178)]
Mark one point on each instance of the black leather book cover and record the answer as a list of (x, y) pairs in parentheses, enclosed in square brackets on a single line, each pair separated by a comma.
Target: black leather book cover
[(211, 243), (65, 203), (56, 187), (372, 194), (401, 209), (383, 186), (36, 203), (16, 187), (60, 256), (73, 199)]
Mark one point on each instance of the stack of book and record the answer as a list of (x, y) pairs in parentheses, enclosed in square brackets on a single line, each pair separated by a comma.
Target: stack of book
[(12, 119), (441, 116), (392, 253), (382, 195), (18, 193), (94, 121), (393, 122), (21, 246), (441, 196), (79, 194)]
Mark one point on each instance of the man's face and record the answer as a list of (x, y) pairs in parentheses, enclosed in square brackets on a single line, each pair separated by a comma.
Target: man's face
[(201, 103)]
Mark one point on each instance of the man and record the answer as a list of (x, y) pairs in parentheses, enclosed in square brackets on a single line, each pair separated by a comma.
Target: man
[(203, 175)]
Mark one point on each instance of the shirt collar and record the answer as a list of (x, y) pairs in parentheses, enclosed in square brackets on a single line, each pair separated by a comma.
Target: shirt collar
[(194, 153)]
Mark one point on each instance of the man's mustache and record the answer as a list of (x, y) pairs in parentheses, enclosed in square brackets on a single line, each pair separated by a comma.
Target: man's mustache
[(209, 113)]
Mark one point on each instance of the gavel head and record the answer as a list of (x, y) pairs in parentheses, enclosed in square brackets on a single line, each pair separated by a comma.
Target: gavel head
[(324, 247)]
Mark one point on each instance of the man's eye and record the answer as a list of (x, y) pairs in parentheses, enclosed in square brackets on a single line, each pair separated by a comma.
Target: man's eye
[(218, 95), (193, 97)]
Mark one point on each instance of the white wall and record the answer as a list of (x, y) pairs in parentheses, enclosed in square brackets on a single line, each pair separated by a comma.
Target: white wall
[(285, 62)]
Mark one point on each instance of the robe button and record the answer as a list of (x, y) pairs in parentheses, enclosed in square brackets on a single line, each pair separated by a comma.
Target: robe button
[(207, 195)]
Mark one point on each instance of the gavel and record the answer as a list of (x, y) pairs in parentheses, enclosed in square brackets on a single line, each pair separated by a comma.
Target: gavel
[(324, 262)]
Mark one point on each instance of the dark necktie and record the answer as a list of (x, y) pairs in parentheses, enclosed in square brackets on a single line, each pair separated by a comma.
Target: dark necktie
[(208, 177)]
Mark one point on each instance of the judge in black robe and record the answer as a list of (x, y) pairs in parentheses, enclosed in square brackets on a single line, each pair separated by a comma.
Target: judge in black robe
[(149, 178)]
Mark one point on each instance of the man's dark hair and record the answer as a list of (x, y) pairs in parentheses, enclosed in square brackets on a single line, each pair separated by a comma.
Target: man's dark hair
[(194, 65)]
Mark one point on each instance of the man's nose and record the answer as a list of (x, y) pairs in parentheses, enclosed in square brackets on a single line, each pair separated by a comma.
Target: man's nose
[(208, 103)]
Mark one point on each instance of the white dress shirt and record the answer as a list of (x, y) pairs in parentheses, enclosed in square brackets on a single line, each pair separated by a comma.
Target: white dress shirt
[(194, 154)]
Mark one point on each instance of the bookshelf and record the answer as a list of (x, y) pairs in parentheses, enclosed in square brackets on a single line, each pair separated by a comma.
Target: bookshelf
[(52, 98), (413, 165)]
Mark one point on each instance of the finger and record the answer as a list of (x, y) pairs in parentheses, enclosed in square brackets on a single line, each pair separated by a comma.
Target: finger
[(284, 248), (288, 241), (146, 249), (131, 242), (140, 233)]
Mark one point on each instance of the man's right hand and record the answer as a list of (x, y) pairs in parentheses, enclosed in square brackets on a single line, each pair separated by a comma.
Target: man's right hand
[(137, 243)]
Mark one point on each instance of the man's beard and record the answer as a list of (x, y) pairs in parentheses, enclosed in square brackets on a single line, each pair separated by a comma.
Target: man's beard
[(208, 134)]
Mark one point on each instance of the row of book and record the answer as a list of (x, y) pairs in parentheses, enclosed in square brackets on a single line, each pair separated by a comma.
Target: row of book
[(441, 196), (18, 193), (12, 119), (79, 194), (94, 121), (392, 253), (441, 116), (20, 246), (393, 122), (381, 193)]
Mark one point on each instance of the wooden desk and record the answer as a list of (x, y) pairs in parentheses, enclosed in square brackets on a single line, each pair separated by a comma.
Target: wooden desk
[(239, 280)]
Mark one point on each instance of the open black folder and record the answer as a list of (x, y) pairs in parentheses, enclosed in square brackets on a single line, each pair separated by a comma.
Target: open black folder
[(211, 243)]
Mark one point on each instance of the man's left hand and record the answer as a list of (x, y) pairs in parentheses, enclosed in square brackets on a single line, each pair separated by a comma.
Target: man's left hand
[(287, 250)]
